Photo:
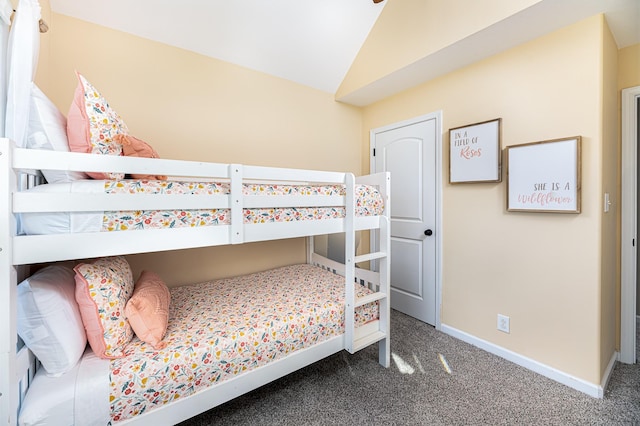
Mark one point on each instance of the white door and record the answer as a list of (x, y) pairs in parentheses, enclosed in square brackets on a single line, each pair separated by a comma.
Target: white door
[(408, 151), (629, 224)]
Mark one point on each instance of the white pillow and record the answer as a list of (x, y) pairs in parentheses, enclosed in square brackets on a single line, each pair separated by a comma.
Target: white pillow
[(48, 130), (49, 319)]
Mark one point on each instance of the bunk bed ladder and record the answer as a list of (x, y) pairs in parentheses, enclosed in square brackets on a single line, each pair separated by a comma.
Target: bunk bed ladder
[(357, 338)]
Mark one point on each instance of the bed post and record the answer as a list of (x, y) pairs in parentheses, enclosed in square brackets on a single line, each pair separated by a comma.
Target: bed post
[(310, 249), (236, 228), (8, 282), (384, 349), (349, 263), (384, 346)]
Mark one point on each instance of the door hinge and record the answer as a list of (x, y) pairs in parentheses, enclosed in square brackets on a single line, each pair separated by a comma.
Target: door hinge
[(374, 152)]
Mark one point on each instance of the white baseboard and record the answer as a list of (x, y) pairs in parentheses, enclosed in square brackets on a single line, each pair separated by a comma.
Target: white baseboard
[(591, 389)]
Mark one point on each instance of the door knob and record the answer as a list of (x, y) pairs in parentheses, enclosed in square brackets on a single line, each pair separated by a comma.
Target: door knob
[(428, 232)]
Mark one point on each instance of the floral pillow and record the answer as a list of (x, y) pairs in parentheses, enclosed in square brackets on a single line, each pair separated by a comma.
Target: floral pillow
[(92, 125), (103, 289)]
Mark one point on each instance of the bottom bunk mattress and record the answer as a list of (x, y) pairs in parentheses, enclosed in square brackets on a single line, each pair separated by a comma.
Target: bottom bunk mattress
[(217, 330)]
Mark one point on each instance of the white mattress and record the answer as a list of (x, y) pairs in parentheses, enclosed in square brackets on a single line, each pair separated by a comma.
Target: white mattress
[(63, 222), (76, 398)]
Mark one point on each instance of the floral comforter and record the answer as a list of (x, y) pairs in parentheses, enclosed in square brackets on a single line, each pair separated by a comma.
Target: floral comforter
[(223, 328), (368, 202)]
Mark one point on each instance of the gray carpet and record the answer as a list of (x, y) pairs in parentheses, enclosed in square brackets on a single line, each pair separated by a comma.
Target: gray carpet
[(482, 389)]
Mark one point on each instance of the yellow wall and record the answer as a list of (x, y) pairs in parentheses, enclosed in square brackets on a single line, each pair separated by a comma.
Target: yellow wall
[(629, 65), (409, 30), (610, 248), (543, 270), (188, 106)]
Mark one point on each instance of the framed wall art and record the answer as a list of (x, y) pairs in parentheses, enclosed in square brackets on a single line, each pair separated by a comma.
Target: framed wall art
[(544, 176), (474, 153)]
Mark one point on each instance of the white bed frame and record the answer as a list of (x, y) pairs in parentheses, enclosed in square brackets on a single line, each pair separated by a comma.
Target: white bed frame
[(17, 364)]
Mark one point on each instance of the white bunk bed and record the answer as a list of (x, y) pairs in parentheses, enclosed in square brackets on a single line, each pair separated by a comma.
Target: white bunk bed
[(17, 251)]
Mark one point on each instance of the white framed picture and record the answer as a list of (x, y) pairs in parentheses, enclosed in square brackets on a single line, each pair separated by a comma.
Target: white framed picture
[(544, 176), (475, 153)]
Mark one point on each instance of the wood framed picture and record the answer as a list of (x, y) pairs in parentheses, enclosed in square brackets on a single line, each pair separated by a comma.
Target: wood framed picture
[(474, 153), (544, 176)]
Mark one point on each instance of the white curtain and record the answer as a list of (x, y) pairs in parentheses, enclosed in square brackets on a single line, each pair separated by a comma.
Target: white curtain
[(5, 16), (22, 60)]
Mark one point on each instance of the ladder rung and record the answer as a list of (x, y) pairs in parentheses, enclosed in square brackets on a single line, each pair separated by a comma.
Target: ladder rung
[(370, 256), (370, 298), (368, 339)]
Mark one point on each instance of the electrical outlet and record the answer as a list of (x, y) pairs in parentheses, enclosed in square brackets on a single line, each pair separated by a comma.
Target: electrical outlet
[(503, 323)]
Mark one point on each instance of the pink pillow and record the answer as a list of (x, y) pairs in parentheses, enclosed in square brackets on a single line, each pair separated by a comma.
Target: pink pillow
[(148, 309), (134, 147), (102, 291), (92, 125)]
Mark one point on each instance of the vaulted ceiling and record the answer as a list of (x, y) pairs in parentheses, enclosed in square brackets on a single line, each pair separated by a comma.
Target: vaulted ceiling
[(309, 42)]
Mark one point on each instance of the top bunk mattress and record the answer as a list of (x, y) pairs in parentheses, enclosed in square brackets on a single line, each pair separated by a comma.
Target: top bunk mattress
[(369, 202)]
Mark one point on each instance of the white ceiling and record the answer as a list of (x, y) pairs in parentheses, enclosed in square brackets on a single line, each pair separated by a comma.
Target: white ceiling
[(313, 42)]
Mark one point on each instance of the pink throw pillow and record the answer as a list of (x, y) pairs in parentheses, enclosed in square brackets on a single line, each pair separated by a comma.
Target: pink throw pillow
[(148, 309), (134, 147), (92, 125), (103, 289)]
